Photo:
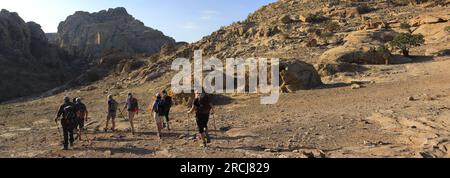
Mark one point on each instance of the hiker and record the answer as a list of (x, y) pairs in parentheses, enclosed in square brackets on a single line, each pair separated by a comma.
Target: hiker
[(112, 110), (158, 113), (132, 108), (68, 121), (202, 107), (82, 116), (167, 100)]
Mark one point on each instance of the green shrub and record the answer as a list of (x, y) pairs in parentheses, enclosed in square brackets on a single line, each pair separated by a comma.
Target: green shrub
[(404, 41), (405, 26)]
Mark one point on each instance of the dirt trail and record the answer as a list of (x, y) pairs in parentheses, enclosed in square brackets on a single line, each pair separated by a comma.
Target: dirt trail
[(403, 113)]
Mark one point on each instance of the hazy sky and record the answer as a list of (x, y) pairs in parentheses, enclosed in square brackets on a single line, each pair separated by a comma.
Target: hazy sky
[(184, 20)]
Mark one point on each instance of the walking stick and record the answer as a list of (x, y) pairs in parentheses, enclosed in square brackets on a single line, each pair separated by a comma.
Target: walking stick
[(121, 114), (59, 131), (187, 126), (215, 124)]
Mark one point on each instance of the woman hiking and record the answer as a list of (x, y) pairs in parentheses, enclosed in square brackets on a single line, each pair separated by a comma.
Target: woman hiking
[(203, 108)]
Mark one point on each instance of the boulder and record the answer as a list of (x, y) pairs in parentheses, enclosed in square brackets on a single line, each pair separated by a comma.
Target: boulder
[(434, 33), (298, 75), (429, 19), (361, 47), (285, 19), (437, 38)]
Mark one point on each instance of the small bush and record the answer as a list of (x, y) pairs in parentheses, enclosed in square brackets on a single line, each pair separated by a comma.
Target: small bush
[(404, 41), (405, 26), (316, 18), (447, 29), (331, 26)]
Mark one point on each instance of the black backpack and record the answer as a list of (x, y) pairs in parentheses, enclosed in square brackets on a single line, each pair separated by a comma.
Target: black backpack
[(204, 105), (161, 107), (70, 115)]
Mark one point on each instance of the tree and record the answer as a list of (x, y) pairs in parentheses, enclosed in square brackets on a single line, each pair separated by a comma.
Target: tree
[(404, 41)]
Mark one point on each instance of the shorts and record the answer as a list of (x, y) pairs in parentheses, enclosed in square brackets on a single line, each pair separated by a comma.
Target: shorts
[(157, 117), (202, 122), (111, 115)]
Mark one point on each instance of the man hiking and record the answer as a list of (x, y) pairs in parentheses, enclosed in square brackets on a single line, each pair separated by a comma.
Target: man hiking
[(68, 121), (158, 113), (82, 116), (133, 109), (167, 100), (202, 107), (112, 111)]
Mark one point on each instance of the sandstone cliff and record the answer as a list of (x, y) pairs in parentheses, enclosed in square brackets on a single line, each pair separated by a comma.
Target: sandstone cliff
[(94, 34), (28, 63)]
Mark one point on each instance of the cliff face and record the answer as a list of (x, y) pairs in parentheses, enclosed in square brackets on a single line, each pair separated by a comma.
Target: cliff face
[(96, 34), (28, 63)]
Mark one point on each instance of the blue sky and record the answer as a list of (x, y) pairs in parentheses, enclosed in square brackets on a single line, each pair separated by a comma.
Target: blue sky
[(184, 20)]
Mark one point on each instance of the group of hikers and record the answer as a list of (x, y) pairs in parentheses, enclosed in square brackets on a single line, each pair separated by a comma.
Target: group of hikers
[(73, 115)]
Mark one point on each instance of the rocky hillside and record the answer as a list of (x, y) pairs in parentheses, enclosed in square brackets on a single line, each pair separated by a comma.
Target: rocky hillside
[(28, 63), (307, 28), (337, 37), (96, 34)]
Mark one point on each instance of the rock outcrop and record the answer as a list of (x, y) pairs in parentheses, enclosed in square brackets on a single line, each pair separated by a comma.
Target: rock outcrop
[(297, 75), (92, 34), (361, 47), (28, 63)]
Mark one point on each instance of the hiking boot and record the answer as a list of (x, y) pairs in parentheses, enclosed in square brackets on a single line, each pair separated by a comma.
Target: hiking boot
[(105, 129), (204, 144), (164, 125), (208, 139), (159, 136)]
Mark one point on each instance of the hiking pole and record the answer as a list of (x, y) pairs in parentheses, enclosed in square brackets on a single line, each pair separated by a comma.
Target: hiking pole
[(121, 114), (215, 124), (187, 126), (59, 131)]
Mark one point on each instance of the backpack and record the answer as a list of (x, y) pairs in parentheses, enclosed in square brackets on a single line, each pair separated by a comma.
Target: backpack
[(69, 116), (113, 105), (80, 110), (134, 104), (161, 107), (204, 106), (168, 101)]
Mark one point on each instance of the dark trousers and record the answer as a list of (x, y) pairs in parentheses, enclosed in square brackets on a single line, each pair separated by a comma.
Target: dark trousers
[(68, 134), (166, 115), (202, 122)]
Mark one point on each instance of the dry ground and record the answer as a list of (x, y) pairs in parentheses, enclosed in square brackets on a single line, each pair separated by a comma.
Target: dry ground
[(400, 111)]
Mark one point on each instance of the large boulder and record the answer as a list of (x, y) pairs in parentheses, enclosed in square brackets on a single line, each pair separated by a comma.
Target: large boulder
[(430, 18), (437, 38), (91, 34), (434, 33), (298, 75), (361, 47)]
